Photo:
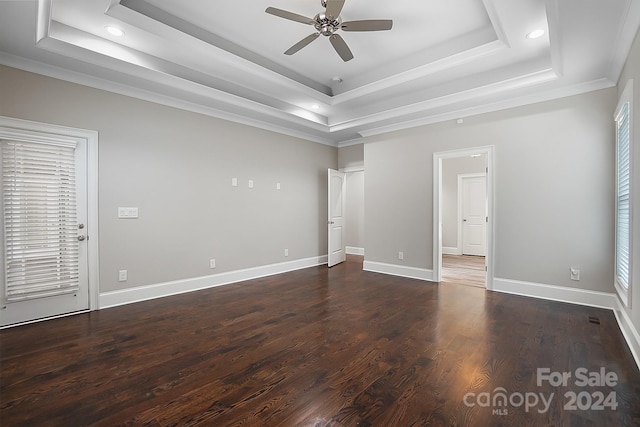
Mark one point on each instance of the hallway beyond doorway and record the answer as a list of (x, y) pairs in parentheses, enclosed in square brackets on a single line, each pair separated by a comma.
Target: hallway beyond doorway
[(464, 270)]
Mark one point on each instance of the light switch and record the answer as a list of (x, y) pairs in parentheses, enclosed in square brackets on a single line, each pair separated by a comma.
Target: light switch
[(234, 182), (278, 186), (575, 274), (250, 183), (128, 213)]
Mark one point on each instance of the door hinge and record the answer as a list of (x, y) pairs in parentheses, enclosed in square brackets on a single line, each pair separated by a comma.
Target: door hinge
[(486, 218)]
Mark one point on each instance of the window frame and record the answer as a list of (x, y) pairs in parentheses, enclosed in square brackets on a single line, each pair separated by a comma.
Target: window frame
[(624, 293)]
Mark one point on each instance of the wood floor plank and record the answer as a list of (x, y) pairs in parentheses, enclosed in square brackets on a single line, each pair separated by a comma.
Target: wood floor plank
[(315, 347)]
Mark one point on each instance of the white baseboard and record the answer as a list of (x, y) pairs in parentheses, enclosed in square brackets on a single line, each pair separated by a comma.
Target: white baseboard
[(629, 332), (556, 293), (352, 250), (451, 251), (398, 270), (145, 293)]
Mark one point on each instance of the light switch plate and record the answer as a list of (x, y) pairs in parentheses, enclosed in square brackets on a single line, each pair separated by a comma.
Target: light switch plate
[(128, 213)]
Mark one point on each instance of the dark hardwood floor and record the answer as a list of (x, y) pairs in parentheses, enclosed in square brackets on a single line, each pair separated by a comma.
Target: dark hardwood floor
[(318, 347)]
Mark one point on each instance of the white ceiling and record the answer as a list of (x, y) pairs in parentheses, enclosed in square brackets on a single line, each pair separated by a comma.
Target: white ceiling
[(443, 60)]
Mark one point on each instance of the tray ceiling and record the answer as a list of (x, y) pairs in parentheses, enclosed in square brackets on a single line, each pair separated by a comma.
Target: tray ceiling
[(441, 61)]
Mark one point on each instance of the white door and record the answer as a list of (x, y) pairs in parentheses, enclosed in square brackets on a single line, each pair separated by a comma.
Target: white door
[(337, 185), (474, 214), (43, 194)]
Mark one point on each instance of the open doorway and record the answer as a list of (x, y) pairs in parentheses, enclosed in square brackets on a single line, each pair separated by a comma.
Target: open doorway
[(462, 216)]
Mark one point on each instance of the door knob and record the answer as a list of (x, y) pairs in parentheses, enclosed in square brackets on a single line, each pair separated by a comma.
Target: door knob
[(82, 237)]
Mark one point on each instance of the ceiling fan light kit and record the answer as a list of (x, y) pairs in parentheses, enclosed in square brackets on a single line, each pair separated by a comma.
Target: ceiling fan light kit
[(327, 23)]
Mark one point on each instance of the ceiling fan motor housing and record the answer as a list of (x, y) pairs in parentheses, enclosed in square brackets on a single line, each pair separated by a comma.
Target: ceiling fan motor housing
[(326, 25)]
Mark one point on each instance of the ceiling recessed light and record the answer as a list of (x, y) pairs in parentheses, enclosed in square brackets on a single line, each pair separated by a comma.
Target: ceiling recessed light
[(114, 31), (535, 34), (315, 106)]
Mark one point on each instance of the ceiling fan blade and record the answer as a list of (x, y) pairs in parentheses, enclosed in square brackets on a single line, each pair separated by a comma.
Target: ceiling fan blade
[(334, 7), (302, 43), (289, 15), (341, 47), (368, 25)]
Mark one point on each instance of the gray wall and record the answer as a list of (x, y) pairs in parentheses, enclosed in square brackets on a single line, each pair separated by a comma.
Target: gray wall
[(351, 157), (451, 168), (632, 71), (176, 167), (553, 194), (355, 210)]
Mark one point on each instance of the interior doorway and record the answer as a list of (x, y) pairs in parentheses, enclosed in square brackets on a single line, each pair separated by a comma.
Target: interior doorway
[(463, 226)]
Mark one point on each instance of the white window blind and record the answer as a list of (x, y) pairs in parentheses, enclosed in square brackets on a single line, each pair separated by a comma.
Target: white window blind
[(623, 190), (40, 224)]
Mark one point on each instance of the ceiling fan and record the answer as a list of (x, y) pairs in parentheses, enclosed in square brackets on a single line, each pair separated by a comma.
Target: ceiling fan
[(327, 23)]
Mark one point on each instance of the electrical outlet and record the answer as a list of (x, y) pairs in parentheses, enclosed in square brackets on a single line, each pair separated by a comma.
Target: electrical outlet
[(234, 182), (212, 263), (401, 255), (122, 275), (250, 183)]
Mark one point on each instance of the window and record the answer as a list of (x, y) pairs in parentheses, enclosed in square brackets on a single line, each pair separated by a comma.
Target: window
[(623, 193)]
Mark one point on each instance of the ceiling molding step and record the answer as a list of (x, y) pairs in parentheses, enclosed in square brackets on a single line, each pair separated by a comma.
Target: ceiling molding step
[(477, 93), (239, 64), (543, 96), (553, 25), (155, 97), (421, 72), (43, 18), (63, 40), (157, 14), (624, 40), (494, 17)]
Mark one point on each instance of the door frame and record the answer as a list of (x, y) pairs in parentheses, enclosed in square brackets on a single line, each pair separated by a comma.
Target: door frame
[(438, 157), (461, 178), (25, 130)]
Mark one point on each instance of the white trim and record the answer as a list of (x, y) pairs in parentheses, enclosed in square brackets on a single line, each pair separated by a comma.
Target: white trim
[(352, 250), (398, 270), (556, 293), (352, 169), (489, 151), (629, 332), (21, 129), (160, 290)]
